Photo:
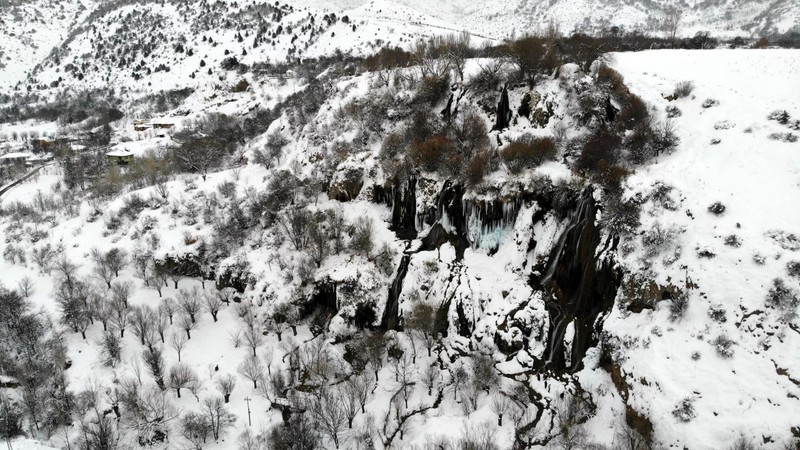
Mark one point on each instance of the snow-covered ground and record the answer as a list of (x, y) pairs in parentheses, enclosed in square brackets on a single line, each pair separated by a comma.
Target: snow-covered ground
[(757, 179)]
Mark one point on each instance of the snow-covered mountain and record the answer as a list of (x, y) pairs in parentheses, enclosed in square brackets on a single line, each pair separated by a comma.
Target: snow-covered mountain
[(128, 40)]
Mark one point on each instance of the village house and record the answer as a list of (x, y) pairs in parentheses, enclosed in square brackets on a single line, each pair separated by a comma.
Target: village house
[(120, 157)]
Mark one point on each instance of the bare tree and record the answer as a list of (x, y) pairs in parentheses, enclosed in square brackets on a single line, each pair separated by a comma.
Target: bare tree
[(671, 24), (26, 287), (252, 369), (360, 385), (375, 345), (178, 342), (66, 270), (154, 360), (120, 318), (189, 301), (404, 372), (186, 324), (431, 377), (225, 385), (161, 324), (180, 376), (217, 416), (168, 308), (328, 414), (142, 265), (276, 327), (502, 406), (626, 438), (267, 357), (213, 304), (142, 322), (116, 259), (110, 349), (102, 309), (253, 338), (102, 270), (460, 377), (122, 291), (348, 398)]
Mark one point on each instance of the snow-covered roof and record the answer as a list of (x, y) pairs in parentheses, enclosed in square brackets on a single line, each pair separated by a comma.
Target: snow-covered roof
[(120, 153), (17, 155)]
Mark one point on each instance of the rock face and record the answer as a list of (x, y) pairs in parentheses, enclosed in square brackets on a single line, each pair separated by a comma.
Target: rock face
[(404, 208), (347, 185), (583, 282), (577, 281), (503, 112)]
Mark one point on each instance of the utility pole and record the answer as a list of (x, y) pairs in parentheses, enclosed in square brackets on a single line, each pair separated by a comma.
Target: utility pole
[(249, 422)]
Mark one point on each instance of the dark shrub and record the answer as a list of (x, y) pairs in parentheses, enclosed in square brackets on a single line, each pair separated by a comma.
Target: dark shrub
[(793, 267), (634, 112), (476, 167), (781, 116), (432, 89), (432, 153), (528, 152), (600, 152), (683, 89), (716, 208), (781, 296)]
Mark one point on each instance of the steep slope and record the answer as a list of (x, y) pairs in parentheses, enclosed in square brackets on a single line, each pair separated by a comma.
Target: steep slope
[(731, 355), (31, 30)]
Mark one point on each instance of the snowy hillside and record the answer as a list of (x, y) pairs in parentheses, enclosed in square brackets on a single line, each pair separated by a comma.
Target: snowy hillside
[(732, 154), (31, 30), (189, 39)]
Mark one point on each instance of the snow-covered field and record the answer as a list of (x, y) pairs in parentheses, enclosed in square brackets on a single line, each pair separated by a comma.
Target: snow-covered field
[(757, 179)]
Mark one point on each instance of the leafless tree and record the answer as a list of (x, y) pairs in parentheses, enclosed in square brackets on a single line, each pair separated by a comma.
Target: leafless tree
[(148, 411), (276, 327), (348, 399), (178, 342), (267, 357), (26, 287), (431, 377), (213, 304), (236, 337), (253, 338), (460, 377), (116, 259), (142, 265), (66, 270), (180, 376), (252, 369), (102, 309), (120, 318), (110, 349), (189, 301), (217, 416), (160, 324), (502, 406), (671, 24), (328, 414), (142, 322), (626, 438), (186, 323), (374, 346), (102, 270), (404, 373), (360, 385), (122, 291), (225, 385), (167, 307)]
